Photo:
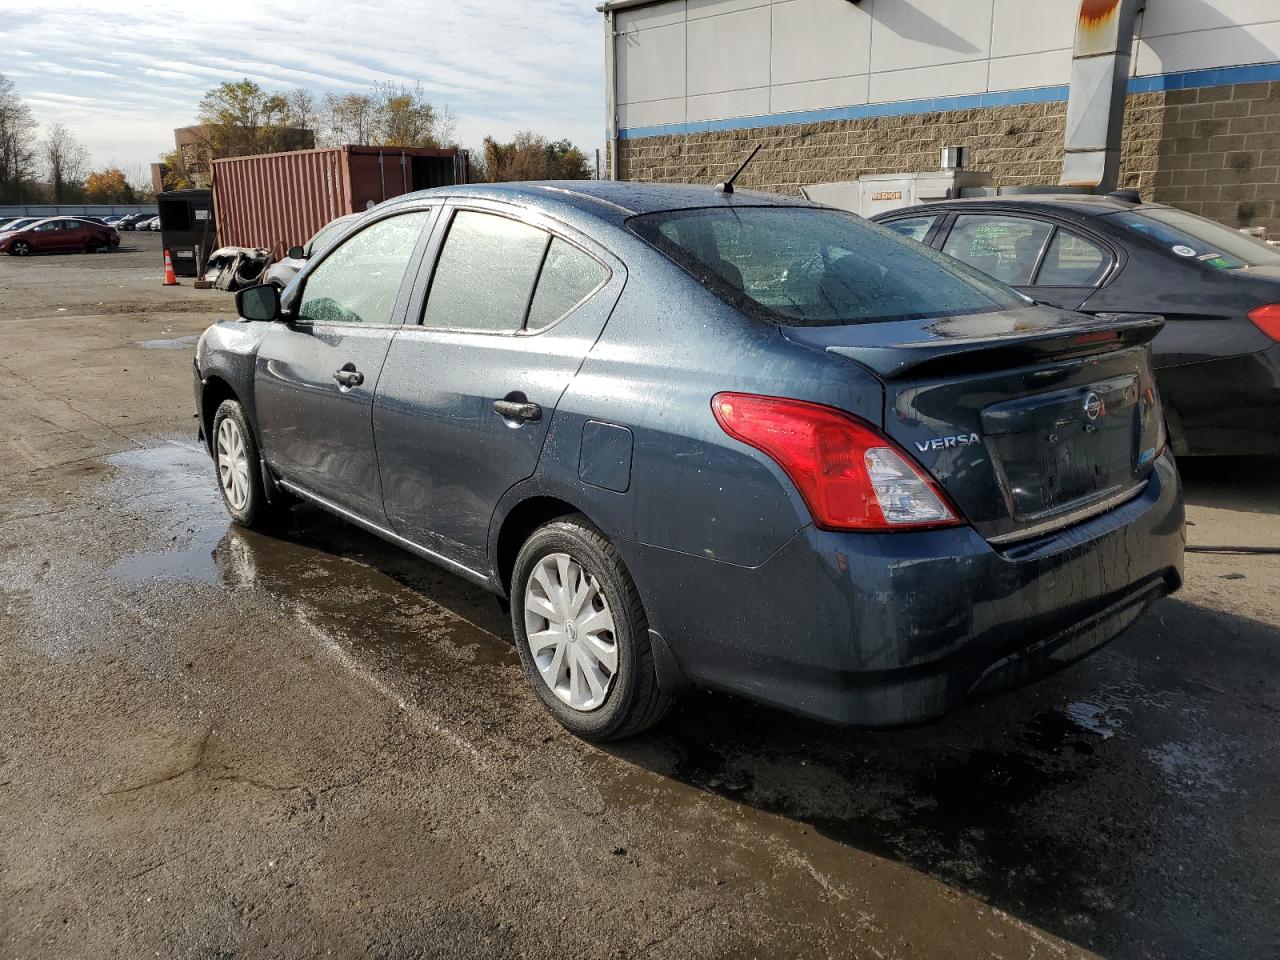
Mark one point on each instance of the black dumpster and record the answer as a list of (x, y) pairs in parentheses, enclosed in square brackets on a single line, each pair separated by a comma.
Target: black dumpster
[(186, 227)]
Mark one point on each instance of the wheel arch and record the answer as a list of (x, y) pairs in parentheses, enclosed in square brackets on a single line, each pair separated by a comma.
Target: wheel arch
[(214, 391), (520, 520)]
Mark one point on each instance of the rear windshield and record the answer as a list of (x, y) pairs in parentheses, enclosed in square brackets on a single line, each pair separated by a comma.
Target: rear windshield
[(804, 266), (1196, 238)]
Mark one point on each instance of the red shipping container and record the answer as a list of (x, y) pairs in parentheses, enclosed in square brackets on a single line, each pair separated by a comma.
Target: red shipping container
[(278, 200)]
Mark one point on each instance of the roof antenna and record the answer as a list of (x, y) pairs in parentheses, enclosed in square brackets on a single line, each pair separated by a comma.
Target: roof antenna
[(727, 186)]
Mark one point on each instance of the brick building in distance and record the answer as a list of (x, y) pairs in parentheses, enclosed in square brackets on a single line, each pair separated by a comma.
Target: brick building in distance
[(194, 152), (840, 88)]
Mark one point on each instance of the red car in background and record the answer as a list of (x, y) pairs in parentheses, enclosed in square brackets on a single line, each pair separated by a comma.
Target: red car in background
[(59, 235)]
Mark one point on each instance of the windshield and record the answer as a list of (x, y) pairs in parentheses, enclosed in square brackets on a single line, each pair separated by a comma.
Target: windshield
[(1196, 238), (808, 266)]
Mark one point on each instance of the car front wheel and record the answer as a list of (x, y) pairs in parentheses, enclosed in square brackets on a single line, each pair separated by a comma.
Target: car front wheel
[(20, 248), (235, 456), (582, 633)]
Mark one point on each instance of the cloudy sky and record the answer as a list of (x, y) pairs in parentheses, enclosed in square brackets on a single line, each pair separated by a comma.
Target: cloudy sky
[(121, 74)]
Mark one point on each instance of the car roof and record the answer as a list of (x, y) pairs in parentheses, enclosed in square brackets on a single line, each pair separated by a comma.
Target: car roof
[(1085, 204), (611, 200)]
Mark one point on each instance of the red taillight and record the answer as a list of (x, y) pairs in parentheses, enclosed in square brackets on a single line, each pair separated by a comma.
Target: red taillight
[(1267, 319), (850, 475)]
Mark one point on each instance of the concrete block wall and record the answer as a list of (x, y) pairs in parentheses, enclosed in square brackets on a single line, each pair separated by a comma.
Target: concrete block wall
[(1214, 151)]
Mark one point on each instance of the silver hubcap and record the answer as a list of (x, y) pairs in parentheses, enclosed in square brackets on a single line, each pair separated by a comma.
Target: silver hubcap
[(233, 464), (570, 630)]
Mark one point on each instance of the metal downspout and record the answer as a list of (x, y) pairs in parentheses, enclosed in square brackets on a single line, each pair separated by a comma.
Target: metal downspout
[(1099, 82), (611, 91)]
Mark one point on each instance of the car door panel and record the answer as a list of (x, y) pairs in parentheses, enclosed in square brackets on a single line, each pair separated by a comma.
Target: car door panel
[(315, 377), (315, 432), (446, 454)]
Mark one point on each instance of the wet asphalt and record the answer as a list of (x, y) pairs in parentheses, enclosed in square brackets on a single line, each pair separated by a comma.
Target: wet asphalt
[(218, 743)]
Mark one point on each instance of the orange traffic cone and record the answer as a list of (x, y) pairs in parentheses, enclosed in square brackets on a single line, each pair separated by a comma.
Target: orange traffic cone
[(170, 280)]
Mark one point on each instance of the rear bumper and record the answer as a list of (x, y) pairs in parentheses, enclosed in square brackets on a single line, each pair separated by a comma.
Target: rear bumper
[(1226, 407), (889, 629)]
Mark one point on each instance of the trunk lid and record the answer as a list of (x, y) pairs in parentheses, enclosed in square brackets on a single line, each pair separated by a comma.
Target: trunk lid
[(1030, 419)]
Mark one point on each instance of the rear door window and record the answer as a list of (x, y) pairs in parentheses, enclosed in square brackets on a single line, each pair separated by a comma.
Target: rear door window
[(568, 277), (359, 282), (1007, 248), (1073, 261), (485, 274), (917, 228)]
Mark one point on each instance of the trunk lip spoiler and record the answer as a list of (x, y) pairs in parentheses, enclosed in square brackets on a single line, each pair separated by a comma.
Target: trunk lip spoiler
[(926, 346)]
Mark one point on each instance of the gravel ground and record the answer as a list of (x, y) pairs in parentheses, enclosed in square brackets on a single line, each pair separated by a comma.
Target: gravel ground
[(215, 743)]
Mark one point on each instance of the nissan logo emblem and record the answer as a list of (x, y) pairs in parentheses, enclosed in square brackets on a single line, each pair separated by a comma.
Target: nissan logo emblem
[(1093, 407)]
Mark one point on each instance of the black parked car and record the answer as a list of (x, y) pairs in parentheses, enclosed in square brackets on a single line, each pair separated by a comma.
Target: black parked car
[(1218, 358), (733, 440)]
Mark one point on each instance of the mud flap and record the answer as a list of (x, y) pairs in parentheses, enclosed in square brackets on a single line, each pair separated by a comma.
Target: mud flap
[(671, 678)]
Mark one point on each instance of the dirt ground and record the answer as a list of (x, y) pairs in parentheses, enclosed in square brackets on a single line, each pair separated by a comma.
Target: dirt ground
[(219, 744)]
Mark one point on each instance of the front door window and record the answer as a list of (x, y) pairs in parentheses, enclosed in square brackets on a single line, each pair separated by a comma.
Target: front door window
[(359, 282)]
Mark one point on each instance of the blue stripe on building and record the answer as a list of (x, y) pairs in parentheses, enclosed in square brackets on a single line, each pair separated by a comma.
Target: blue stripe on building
[(1219, 77)]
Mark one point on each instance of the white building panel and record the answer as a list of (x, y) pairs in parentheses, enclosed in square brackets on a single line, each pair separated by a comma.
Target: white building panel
[(696, 60), (728, 52), (923, 83), (1049, 69), (735, 103), (713, 8), (1032, 26), (819, 40), (651, 64), (818, 94), (1226, 47), (658, 15), (921, 33), (651, 113), (1165, 17)]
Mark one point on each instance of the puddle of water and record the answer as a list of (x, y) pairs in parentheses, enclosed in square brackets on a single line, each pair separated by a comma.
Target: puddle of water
[(172, 486), (177, 343), (1092, 717), (377, 597)]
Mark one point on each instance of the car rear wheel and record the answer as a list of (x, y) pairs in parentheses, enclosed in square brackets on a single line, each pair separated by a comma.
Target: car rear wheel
[(235, 457), (20, 248), (582, 633)]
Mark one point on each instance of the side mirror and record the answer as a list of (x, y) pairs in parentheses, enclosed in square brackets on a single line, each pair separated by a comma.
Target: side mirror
[(259, 303), (296, 253)]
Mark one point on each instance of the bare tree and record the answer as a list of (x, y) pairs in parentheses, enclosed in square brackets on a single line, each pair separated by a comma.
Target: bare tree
[(350, 117), (301, 110), (389, 115), (65, 160), (17, 143)]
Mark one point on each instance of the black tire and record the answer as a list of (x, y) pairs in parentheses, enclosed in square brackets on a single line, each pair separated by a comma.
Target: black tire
[(93, 246), (20, 248), (634, 701), (256, 513)]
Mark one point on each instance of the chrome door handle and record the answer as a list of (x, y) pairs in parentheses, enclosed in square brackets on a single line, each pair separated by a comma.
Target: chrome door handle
[(514, 410), (349, 376)]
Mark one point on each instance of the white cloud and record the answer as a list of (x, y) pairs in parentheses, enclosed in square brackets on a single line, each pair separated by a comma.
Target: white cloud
[(123, 76)]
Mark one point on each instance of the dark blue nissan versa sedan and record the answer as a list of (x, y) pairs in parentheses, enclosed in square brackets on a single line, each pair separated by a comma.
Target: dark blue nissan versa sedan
[(696, 437)]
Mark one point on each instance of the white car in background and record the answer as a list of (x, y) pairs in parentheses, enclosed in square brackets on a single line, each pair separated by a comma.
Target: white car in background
[(282, 271)]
